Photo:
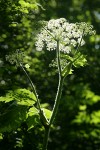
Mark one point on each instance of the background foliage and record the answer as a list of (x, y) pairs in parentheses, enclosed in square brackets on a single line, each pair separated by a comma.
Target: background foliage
[(79, 112)]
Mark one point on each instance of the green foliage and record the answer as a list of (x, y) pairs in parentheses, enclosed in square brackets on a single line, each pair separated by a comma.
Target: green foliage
[(84, 116), (27, 5), (16, 25), (33, 118), (81, 61), (67, 69), (17, 110), (87, 118), (20, 97), (78, 60), (17, 30), (12, 118), (47, 113)]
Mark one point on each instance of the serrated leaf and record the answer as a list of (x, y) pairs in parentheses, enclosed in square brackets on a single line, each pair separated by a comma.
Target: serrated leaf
[(21, 96), (17, 104), (80, 60)]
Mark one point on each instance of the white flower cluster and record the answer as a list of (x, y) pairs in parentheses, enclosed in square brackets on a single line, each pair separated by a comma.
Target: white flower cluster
[(68, 34), (15, 57)]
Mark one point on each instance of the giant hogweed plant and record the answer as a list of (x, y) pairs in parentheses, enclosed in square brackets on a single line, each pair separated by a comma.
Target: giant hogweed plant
[(66, 39)]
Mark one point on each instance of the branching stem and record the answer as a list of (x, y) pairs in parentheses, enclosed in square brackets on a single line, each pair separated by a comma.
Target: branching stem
[(60, 85), (57, 99)]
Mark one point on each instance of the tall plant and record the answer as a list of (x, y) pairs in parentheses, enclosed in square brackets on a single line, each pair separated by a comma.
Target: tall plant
[(66, 39)]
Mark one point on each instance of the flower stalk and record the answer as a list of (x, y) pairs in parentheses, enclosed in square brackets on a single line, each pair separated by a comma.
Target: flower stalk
[(57, 99), (32, 86), (60, 85)]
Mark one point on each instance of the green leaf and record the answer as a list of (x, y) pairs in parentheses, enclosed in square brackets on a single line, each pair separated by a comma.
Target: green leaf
[(95, 117), (12, 118), (32, 111), (67, 70), (80, 60), (24, 4), (21, 96), (27, 5), (67, 57), (17, 104), (5, 99), (47, 113), (82, 107), (15, 115), (82, 117), (32, 118)]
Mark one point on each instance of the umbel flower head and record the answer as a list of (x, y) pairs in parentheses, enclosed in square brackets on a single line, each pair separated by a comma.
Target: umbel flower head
[(68, 34), (15, 57)]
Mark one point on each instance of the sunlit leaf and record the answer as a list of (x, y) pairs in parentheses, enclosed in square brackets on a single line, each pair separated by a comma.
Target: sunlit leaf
[(32, 111), (32, 118), (21, 96), (82, 107), (95, 117), (80, 61), (47, 113)]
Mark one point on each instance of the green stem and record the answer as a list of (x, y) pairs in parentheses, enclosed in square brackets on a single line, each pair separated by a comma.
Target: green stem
[(32, 85), (60, 85), (46, 137), (57, 99)]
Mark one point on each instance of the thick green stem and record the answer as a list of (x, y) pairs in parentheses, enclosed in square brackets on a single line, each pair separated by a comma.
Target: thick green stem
[(55, 109), (46, 137), (60, 85), (57, 99)]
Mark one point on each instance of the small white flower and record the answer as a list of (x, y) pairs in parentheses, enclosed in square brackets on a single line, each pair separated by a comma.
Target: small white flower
[(81, 41), (51, 46), (73, 42), (67, 49)]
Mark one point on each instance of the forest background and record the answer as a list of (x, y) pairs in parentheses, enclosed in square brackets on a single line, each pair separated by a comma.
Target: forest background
[(77, 125)]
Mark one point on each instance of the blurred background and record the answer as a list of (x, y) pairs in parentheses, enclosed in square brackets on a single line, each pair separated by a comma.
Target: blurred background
[(77, 125)]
